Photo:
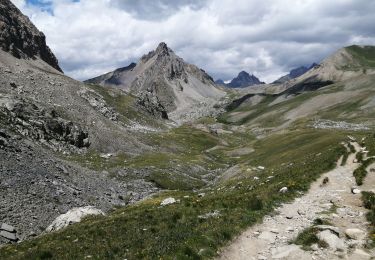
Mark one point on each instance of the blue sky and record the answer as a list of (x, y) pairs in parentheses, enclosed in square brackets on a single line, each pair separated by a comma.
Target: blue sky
[(267, 38)]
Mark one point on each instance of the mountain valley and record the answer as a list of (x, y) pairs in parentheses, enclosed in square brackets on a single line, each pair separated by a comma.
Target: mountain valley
[(156, 161)]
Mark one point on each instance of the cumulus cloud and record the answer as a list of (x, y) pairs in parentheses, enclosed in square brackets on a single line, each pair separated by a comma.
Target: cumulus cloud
[(223, 37)]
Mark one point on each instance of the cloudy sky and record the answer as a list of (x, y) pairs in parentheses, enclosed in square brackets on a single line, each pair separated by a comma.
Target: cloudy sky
[(267, 38)]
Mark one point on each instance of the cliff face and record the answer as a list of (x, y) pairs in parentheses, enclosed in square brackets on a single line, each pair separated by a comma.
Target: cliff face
[(21, 38)]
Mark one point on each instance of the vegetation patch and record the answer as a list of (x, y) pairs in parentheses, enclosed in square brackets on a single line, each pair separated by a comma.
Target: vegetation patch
[(368, 199), (364, 55), (307, 237), (360, 173)]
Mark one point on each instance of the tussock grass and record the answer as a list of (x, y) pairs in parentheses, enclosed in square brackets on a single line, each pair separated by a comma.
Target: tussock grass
[(360, 173)]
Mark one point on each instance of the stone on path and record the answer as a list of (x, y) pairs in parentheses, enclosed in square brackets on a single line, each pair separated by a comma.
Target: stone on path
[(355, 233), (268, 236), (332, 240)]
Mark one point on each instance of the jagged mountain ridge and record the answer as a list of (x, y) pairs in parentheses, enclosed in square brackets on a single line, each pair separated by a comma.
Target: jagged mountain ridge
[(161, 75), (21, 38), (242, 80), (294, 73)]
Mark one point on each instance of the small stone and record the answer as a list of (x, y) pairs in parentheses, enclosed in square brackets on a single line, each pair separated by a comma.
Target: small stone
[(333, 229), (289, 216), (168, 201), (289, 229), (283, 190), (315, 247), (356, 191)]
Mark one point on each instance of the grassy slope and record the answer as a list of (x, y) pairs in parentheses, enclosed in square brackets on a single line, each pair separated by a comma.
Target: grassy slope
[(364, 55), (267, 114), (146, 230)]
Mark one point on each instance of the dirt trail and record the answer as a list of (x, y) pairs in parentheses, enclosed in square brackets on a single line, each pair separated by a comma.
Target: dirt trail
[(333, 201)]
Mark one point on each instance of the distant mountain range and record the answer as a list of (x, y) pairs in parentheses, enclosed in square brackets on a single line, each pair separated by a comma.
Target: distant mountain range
[(294, 73), (243, 80)]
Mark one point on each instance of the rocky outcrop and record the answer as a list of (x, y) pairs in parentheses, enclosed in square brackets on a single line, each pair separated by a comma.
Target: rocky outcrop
[(42, 125), (244, 80), (21, 38), (151, 104), (98, 103)]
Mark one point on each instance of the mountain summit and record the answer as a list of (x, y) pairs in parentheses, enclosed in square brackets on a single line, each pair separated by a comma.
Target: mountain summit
[(171, 84), (244, 80), (21, 38)]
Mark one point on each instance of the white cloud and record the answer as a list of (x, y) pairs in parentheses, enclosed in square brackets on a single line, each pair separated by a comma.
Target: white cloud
[(223, 37)]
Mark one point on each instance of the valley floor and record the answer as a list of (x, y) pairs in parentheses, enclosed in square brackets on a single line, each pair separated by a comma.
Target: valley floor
[(333, 204)]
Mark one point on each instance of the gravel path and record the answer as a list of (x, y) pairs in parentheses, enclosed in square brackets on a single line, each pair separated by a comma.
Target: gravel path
[(333, 201)]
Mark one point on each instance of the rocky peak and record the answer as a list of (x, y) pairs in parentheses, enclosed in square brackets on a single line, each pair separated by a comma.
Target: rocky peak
[(243, 80), (21, 38), (162, 49)]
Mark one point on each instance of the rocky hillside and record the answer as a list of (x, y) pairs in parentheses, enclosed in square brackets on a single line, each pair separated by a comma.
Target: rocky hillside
[(56, 133), (164, 82), (21, 38)]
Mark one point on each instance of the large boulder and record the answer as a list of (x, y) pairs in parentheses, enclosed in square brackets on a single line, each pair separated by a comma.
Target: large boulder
[(74, 215)]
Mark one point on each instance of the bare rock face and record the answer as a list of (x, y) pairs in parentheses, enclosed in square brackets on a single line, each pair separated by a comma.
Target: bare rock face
[(41, 125), (21, 38), (150, 103)]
